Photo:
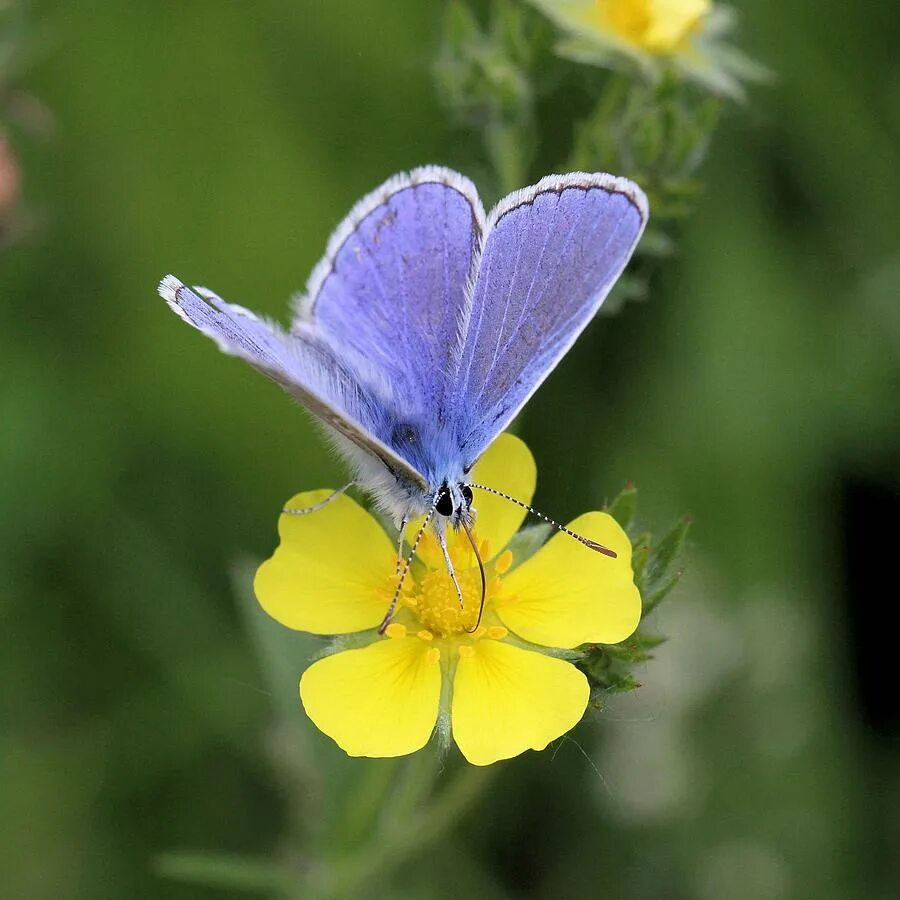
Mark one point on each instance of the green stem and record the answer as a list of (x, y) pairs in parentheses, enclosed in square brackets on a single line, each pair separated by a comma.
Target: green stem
[(410, 835), (505, 144), (363, 813), (601, 120)]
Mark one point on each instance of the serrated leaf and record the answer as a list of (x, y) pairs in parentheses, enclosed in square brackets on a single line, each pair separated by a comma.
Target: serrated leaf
[(620, 684), (667, 551), (653, 599), (650, 641), (623, 507), (629, 652), (640, 554)]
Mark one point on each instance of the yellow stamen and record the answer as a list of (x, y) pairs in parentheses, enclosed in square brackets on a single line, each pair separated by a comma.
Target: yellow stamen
[(395, 630), (503, 562), (437, 603), (497, 632), (466, 651), (433, 655), (425, 635)]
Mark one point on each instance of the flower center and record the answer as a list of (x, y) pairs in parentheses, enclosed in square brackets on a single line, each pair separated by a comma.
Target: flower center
[(658, 26), (436, 603)]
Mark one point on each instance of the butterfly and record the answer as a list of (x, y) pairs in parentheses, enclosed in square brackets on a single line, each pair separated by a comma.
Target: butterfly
[(428, 325)]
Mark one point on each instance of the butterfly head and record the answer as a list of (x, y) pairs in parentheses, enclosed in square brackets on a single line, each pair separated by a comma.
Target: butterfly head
[(454, 502)]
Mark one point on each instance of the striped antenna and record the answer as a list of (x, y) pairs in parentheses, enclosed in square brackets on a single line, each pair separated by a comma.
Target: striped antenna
[(592, 545)]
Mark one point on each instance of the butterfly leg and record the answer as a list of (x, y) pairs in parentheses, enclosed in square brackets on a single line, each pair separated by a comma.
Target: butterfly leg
[(443, 542), (403, 523), (317, 506), (403, 573)]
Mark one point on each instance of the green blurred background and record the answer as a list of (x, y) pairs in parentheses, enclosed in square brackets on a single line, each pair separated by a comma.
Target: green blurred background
[(757, 388)]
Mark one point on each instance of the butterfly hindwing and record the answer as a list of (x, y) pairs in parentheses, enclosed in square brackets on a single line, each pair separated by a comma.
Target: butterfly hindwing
[(551, 254)]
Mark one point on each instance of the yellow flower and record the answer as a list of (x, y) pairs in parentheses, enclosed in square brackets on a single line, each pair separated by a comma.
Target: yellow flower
[(684, 35), (657, 26), (499, 689)]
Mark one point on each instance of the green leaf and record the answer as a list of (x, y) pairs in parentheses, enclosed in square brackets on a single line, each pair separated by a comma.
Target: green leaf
[(653, 598), (622, 509), (640, 554), (629, 651), (650, 641), (620, 684), (668, 550)]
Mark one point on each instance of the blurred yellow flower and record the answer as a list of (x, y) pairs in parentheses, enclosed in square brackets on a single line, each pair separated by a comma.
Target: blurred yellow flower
[(499, 690), (681, 35), (657, 26)]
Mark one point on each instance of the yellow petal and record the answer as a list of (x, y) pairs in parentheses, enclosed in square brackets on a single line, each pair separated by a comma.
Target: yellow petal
[(671, 21), (567, 594), (507, 700), (508, 466), (381, 700), (331, 572)]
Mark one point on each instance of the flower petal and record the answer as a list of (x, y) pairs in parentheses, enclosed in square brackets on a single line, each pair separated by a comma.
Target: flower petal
[(332, 570), (508, 466), (566, 595), (672, 21), (507, 700), (381, 700)]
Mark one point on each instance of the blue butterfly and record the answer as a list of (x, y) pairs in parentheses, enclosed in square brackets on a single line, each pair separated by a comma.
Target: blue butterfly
[(428, 324)]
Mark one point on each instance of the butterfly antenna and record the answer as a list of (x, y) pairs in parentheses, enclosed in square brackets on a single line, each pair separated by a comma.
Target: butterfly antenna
[(390, 613), (483, 579), (320, 504), (593, 545)]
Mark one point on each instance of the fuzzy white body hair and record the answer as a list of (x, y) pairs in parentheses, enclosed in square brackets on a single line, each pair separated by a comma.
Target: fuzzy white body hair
[(398, 499)]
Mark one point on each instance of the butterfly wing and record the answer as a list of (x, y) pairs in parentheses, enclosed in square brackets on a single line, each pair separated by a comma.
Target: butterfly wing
[(392, 284), (552, 253), (309, 370)]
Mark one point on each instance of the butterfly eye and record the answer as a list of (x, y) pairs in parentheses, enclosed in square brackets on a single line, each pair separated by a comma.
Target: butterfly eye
[(467, 495), (444, 504)]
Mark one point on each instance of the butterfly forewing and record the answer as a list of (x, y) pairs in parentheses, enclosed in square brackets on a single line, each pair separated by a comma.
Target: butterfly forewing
[(308, 370), (392, 286)]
